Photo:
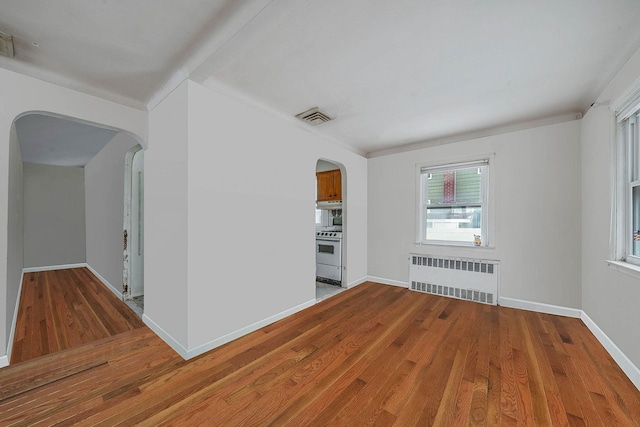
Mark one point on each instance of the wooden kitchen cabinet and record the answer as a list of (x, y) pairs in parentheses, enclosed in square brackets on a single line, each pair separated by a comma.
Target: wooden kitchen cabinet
[(329, 185)]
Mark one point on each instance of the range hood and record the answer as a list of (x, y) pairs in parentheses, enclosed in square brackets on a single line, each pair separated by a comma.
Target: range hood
[(333, 204)]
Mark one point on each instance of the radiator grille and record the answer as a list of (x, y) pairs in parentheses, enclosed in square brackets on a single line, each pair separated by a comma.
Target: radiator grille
[(462, 278), (478, 266)]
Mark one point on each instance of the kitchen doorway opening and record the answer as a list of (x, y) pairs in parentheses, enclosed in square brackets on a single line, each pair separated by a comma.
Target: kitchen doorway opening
[(133, 230), (330, 214)]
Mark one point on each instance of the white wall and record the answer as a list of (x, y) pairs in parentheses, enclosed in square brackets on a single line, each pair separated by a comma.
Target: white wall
[(251, 227), (610, 298), (104, 198), (166, 227), (536, 200), (22, 94), (54, 220), (15, 241)]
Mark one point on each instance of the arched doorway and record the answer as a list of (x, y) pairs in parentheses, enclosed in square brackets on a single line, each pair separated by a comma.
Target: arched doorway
[(330, 242), (79, 166)]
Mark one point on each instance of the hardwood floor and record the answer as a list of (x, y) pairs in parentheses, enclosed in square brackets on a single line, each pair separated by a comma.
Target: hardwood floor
[(372, 355), (61, 309)]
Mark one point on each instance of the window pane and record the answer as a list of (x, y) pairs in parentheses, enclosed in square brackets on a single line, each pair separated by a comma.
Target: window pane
[(635, 203), (454, 186), (433, 186), (468, 185), (453, 223)]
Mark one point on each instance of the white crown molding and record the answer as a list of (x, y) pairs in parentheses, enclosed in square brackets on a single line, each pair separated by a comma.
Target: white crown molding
[(481, 133)]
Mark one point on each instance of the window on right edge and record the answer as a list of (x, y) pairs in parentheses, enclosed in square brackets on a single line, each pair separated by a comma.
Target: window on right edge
[(629, 186), (453, 204)]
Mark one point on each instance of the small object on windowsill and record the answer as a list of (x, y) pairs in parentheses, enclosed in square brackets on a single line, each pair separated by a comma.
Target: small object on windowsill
[(477, 240)]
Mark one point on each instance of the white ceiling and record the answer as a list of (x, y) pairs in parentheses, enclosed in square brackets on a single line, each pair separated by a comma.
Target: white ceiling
[(392, 73), (57, 141)]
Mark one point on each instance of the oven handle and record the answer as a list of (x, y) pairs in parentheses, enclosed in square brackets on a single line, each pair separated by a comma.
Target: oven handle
[(328, 240)]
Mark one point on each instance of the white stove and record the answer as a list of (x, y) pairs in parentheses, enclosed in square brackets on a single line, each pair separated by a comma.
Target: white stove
[(329, 256), (328, 234)]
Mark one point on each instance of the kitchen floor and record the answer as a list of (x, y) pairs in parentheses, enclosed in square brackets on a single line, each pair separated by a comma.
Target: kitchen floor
[(324, 290), (136, 304)]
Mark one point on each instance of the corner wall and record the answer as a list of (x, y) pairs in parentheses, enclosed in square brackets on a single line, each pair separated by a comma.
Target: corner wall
[(230, 230), (104, 207), (165, 221), (536, 205), (609, 297)]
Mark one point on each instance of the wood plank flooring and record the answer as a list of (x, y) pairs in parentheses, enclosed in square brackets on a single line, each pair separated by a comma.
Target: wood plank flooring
[(372, 355), (62, 309)]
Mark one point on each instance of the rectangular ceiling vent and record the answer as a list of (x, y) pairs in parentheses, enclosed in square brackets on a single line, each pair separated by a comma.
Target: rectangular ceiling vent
[(314, 116), (6, 44)]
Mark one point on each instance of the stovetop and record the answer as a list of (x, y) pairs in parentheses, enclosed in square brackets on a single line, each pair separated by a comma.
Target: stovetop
[(334, 232)]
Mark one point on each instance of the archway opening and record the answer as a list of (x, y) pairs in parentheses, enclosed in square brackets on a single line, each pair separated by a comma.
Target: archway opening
[(65, 204), (330, 229)]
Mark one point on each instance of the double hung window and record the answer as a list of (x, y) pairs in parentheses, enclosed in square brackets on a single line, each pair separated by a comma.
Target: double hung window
[(453, 204), (629, 185)]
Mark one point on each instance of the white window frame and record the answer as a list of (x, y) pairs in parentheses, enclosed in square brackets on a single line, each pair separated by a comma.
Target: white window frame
[(482, 161), (627, 148)]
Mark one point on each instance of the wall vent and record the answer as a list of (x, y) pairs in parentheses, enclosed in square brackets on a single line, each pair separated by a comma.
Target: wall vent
[(314, 116), (462, 278), (6, 44)]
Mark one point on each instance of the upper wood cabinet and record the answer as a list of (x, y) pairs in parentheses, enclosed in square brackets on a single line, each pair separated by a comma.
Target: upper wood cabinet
[(329, 185)]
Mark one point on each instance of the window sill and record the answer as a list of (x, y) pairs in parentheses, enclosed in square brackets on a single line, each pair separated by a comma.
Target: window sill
[(625, 268), (455, 245)]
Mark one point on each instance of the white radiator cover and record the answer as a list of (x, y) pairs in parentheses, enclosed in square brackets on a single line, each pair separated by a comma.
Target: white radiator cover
[(462, 278)]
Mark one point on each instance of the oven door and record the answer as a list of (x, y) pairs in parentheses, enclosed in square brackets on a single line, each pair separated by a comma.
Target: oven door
[(329, 252)]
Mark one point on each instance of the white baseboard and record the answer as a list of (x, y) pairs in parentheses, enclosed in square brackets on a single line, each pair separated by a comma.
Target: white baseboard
[(104, 281), (388, 281), (196, 351), (355, 283), (166, 337), (621, 359), (14, 322), (4, 361), (53, 267), (539, 307)]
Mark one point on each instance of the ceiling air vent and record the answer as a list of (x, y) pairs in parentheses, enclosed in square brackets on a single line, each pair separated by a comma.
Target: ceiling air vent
[(314, 116), (6, 44)]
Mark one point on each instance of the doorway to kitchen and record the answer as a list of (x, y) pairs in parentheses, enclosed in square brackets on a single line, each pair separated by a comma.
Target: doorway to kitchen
[(329, 247)]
